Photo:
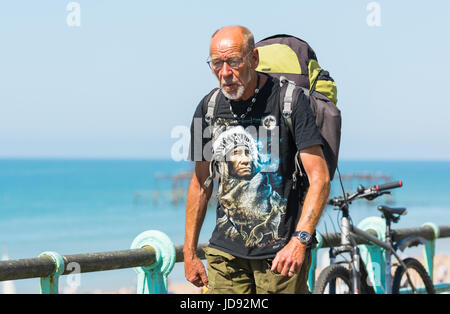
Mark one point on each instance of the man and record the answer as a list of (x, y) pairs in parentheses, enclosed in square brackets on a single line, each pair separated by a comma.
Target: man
[(262, 240)]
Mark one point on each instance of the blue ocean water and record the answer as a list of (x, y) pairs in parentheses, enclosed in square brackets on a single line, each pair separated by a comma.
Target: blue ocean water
[(81, 206)]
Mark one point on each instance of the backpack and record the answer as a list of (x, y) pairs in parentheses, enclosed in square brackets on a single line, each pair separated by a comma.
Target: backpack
[(295, 64)]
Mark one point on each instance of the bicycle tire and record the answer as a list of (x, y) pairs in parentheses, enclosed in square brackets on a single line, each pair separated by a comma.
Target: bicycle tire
[(416, 271), (330, 273)]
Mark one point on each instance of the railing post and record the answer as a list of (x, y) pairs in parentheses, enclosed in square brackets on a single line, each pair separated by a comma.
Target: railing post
[(152, 279), (374, 256), (49, 284), (429, 249), (312, 269)]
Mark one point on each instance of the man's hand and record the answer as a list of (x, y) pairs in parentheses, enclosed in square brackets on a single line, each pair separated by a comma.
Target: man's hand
[(289, 259), (195, 271)]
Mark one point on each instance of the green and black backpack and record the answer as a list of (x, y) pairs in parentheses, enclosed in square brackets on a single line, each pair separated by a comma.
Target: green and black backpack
[(292, 60)]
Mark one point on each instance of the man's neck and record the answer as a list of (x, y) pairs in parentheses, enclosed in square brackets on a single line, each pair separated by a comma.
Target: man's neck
[(251, 87)]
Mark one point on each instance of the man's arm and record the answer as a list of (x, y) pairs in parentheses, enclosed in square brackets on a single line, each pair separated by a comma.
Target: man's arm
[(317, 196), (292, 255), (196, 205)]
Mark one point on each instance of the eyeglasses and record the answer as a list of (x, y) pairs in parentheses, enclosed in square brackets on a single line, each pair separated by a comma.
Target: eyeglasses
[(233, 62)]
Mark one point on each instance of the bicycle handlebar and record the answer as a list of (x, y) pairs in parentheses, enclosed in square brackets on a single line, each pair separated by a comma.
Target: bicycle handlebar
[(388, 186), (369, 193)]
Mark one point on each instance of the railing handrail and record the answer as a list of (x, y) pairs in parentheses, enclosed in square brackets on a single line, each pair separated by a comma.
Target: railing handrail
[(44, 266)]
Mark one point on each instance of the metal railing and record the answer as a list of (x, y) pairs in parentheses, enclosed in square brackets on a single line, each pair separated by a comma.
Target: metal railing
[(153, 255)]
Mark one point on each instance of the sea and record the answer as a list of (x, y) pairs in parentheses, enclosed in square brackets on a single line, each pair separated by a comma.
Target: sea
[(84, 206)]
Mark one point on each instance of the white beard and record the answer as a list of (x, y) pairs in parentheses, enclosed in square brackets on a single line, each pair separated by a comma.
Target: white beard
[(236, 94), (239, 91)]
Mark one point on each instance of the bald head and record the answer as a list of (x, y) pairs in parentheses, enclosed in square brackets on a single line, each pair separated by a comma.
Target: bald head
[(238, 34)]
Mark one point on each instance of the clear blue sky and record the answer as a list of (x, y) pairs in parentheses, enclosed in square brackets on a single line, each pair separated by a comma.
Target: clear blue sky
[(117, 85)]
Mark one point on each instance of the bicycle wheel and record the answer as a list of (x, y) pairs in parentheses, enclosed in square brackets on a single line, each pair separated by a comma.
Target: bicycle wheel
[(419, 279), (334, 279)]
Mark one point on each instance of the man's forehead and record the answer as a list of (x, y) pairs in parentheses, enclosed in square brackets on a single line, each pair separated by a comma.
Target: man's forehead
[(226, 44)]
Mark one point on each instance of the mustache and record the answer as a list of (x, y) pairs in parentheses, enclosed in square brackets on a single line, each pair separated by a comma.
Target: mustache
[(226, 82)]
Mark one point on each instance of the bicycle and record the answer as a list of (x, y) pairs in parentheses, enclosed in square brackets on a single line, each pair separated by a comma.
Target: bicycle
[(410, 276)]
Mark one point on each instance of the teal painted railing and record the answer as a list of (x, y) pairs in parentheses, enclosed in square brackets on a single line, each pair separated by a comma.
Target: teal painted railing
[(153, 255)]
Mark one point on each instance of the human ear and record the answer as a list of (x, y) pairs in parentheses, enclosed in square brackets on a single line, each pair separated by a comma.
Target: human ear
[(255, 58)]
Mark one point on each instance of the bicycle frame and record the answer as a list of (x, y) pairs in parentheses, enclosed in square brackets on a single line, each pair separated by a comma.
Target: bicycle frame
[(348, 244)]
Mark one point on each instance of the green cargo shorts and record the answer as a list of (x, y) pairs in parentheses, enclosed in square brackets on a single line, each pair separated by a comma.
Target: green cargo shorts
[(228, 274)]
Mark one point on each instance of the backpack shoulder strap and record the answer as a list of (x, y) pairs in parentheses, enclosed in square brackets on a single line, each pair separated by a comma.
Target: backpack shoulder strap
[(287, 102), (209, 117), (211, 106)]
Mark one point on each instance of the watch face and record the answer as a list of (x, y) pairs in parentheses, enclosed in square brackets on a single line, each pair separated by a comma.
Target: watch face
[(304, 237)]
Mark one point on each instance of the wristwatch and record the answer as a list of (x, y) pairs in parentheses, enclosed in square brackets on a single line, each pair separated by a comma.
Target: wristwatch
[(303, 236)]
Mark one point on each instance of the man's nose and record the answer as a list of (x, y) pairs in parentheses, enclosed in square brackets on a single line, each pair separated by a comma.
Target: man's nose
[(226, 70)]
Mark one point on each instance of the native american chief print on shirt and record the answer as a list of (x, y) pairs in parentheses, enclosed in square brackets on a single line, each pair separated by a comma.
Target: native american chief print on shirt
[(252, 207)]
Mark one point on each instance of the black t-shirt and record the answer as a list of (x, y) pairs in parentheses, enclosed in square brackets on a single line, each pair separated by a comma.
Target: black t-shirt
[(257, 208)]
